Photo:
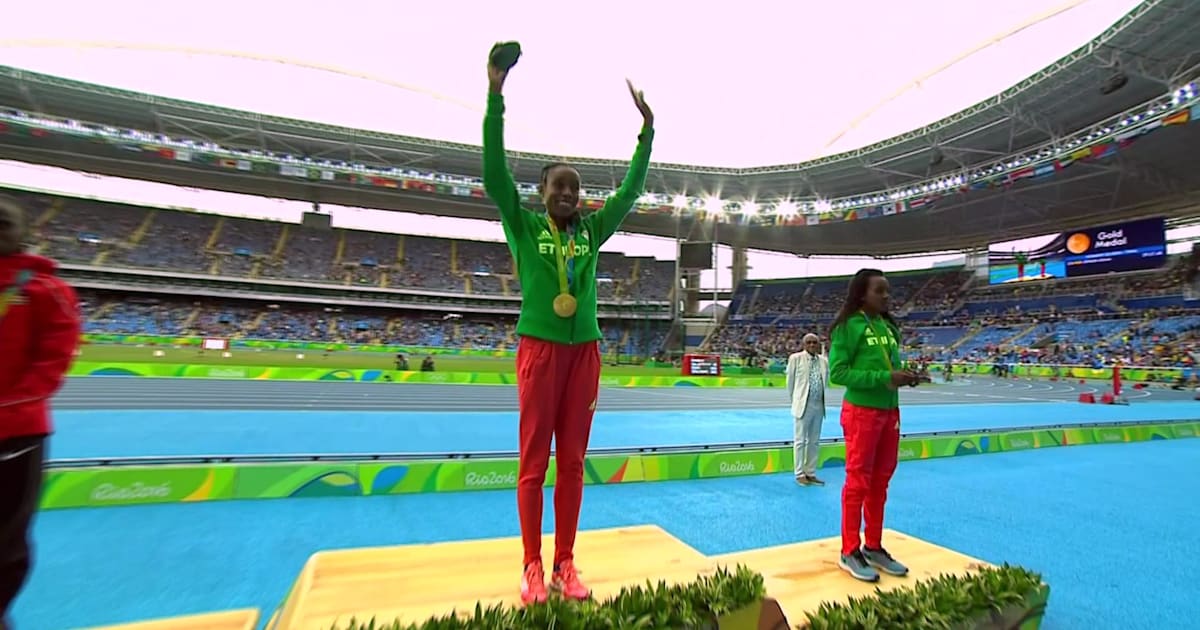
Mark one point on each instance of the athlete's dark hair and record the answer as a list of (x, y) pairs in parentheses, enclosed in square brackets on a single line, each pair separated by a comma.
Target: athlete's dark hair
[(12, 201), (22, 212), (855, 295), (546, 172)]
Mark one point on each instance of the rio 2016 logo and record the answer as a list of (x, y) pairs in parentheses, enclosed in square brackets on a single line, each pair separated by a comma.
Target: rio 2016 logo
[(133, 492), (226, 373), (491, 479), (735, 468)]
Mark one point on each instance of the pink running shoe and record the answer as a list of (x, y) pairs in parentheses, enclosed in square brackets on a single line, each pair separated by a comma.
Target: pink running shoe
[(565, 582), (533, 584)]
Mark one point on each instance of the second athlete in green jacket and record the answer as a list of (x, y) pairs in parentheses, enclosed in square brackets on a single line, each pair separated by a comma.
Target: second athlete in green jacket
[(864, 356)]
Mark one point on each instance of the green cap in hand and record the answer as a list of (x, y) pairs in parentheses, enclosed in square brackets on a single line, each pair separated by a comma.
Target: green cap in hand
[(505, 55)]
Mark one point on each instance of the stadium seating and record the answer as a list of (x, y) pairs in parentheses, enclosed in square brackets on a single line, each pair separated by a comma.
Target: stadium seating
[(938, 336), (125, 313), (948, 312), (83, 232)]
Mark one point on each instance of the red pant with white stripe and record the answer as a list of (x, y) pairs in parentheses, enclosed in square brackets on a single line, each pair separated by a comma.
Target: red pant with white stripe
[(557, 388), (872, 449)]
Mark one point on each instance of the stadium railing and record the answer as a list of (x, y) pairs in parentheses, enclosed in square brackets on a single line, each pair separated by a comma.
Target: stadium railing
[(1129, 373)]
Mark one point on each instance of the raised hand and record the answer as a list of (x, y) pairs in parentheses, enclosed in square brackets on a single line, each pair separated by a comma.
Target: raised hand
[(497, 74), (496, 78), (639, 99)]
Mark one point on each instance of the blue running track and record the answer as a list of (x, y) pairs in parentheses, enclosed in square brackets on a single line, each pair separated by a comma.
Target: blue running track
[(84, 434), (1111, 527)]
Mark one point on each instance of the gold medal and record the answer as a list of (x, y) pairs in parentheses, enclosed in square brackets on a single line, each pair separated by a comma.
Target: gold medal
[(564, 305)]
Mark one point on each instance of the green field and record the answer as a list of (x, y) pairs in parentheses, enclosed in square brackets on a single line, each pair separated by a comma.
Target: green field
[(106, 353)]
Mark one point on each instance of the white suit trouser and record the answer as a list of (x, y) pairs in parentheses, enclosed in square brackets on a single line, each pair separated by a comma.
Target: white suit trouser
[(808, 439)]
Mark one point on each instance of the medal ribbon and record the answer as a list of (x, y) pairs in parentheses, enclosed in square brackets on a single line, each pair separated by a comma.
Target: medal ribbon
[(566, 263), (887, 356)]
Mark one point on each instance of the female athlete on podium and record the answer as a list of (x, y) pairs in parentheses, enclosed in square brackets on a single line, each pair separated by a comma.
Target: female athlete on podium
[(864, 356), (558, 357)]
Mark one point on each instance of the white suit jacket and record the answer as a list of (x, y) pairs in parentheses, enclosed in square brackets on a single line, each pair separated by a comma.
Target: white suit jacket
[(797, 378)]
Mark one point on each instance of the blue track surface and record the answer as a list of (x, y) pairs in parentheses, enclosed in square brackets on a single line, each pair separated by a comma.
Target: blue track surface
[(138, 433), (1111, 527)]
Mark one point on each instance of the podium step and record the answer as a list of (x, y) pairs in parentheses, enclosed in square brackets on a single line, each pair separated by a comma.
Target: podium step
[(414, 582), (801, 576)]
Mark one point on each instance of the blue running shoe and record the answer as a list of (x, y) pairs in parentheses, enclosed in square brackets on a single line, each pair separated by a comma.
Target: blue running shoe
[(882, 560), (858, 568)]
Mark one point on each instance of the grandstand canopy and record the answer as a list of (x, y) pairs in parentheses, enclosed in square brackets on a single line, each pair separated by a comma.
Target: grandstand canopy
[(733, 94)]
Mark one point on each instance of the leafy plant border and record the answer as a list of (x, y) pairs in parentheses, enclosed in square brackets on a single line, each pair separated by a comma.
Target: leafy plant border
[(989, 597), (698, 605)]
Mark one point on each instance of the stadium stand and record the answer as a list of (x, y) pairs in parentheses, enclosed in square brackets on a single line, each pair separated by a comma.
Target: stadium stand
[(949, 313), (132, 313), (101, 234)]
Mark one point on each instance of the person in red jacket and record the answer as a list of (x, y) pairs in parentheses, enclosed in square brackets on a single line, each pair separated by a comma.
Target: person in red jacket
[(39, 333)]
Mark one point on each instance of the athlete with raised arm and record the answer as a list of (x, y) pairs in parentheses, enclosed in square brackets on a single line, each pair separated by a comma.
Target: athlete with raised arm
[(555, 249)]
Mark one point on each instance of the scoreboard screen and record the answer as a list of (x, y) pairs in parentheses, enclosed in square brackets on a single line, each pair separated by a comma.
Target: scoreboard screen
[(216, 344), (701, 365)]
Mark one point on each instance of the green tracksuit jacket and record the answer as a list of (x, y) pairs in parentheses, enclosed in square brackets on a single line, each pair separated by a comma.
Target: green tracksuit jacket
[(532, 244), (857, 361)]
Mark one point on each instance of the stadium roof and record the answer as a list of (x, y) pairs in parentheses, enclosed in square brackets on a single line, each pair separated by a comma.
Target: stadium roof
[(1150, 52)]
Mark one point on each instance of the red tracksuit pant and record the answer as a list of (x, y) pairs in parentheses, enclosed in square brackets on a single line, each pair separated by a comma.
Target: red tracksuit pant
[(557, 387), (872, 448)]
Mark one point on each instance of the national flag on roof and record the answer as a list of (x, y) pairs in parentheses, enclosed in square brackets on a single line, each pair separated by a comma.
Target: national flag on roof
[(1178, 118), (1045, 169)]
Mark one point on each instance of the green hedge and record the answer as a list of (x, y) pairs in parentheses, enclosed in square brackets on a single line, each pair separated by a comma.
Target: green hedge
[(992, 597), (698, 605)]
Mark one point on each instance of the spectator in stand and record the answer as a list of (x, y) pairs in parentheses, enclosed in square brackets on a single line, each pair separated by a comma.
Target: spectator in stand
[(39, 333)]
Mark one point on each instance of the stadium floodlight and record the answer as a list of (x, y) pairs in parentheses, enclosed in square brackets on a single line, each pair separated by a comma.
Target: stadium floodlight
[(749, 208), (822, 205), (786, 208), (1184, 93), (713, 204), (680, 202)]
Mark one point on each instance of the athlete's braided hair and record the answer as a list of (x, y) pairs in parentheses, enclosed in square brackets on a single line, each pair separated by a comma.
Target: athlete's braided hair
[(546, 172)]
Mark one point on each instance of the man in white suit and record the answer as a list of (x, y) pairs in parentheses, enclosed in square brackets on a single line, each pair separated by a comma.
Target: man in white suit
[(807, 374)]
